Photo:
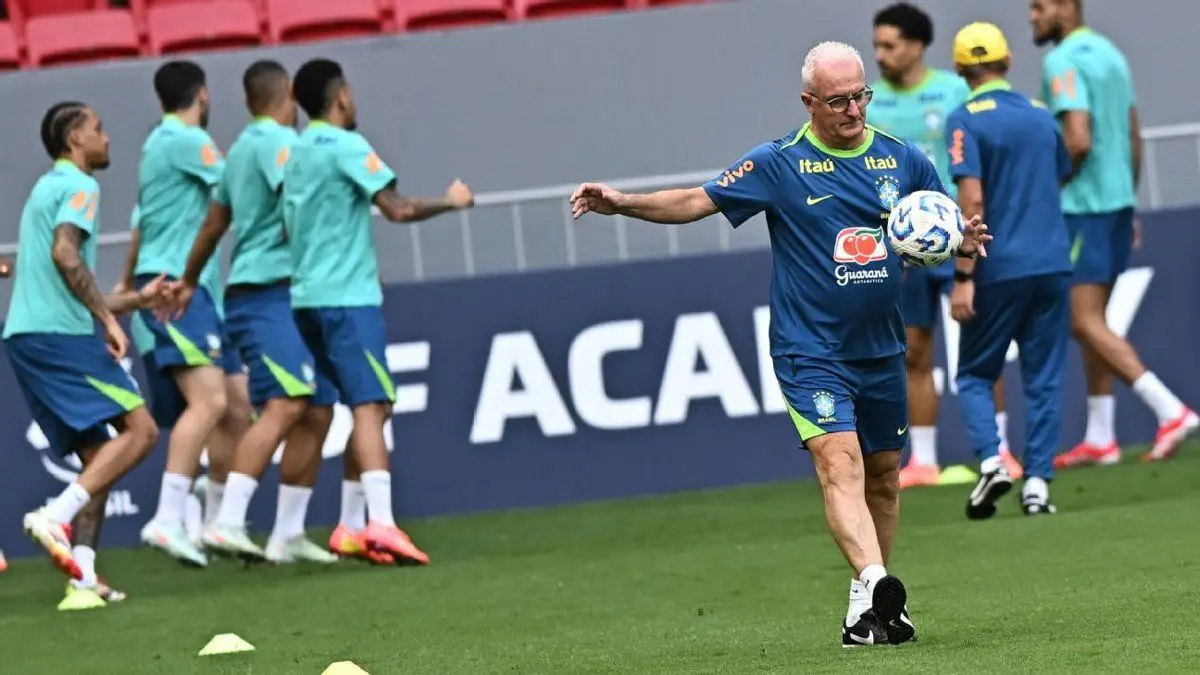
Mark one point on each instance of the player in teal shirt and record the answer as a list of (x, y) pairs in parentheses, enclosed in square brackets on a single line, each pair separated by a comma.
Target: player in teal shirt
[(73, 382), (282, 375), (187, 367), (1087, 83), (913, 101), (330, 182)]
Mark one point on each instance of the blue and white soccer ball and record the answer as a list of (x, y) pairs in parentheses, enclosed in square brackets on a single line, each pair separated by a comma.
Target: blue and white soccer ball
[(925, 228)]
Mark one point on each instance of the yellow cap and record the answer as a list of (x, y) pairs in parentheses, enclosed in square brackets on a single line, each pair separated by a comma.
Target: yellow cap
[(980, 43)]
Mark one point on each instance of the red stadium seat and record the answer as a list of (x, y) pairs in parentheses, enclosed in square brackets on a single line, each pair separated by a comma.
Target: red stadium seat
[(141, 12), (30, 8), (439, 14), (307, 20), (10, 50), (202, 25), (545, 9), (83, 36)]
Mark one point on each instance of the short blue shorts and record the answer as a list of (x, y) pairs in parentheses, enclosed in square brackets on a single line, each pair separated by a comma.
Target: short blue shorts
[(262, 329), (73, 386), (193, 339), (349, 345), (868, 396), (1101, 244), (921, 296)]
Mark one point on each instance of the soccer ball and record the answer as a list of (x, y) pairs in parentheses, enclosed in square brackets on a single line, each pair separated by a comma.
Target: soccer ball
[(925, 229)]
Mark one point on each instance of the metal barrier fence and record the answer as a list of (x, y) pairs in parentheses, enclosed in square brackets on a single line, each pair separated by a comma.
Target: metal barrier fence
[(538, 215)]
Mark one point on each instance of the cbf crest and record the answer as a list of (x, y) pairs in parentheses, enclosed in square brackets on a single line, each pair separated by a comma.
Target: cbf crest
[(823, 402), (888, 189)]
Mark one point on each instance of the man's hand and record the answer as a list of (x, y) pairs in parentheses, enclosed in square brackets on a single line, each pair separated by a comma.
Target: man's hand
[(459, 195), (6, 269), (118, 343), (177, 298), (962, 301), (975, 238), (595, 198)]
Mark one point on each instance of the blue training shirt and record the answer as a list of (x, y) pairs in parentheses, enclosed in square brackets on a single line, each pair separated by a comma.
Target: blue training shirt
[(835, 288), (1014, 146)]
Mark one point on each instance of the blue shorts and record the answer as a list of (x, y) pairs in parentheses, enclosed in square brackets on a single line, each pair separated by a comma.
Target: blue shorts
[(263, 331), (166, 401), (73, 387), (1101, 244), (350, 348), (921, 296), (869, 397), (194, 339)]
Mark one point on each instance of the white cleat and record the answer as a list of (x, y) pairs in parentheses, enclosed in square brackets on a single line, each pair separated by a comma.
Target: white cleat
[(234, 541), (298, 549), (172, 539)]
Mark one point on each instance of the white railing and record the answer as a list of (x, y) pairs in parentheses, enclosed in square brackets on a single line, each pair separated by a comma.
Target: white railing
[(518, 200)]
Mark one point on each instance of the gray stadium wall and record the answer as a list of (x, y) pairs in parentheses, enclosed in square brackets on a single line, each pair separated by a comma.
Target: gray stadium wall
[(544, 103)]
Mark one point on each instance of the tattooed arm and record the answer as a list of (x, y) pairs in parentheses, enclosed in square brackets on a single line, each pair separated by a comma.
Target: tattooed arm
[(68, 258)]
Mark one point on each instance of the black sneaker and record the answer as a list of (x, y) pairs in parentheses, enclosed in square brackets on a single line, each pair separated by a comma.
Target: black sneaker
[(867, 632), (888, 602), (904, 632), (981, 505), (1036, 505)]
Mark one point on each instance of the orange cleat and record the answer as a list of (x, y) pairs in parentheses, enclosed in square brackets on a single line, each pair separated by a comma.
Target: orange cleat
[(391, 540), (55, 538), (1171, 434), (1011, 465), (917, 475), (347, 543), (1084, 454)]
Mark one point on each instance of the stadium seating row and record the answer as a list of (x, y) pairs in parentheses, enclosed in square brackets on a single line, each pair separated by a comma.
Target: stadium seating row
[(42, 33)]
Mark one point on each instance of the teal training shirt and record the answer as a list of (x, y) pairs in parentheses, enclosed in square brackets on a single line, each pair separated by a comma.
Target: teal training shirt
[(330, 180), (41, 301), (251, 187), (1087, 72), (179, 168)]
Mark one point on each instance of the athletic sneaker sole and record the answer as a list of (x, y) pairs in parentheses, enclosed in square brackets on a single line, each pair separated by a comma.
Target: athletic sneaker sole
[(888, 602)]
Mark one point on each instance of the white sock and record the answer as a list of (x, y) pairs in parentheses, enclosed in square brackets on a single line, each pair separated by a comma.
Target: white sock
[(1101, 415), (239, 490), (172, 498), (63, 508), (213, 495), (1157, 397), (290, 513), (1036, 487), (860, 601), (86, 557), (378, 487), (354, 506), (870, 576), (923, 441), (1002, 430)]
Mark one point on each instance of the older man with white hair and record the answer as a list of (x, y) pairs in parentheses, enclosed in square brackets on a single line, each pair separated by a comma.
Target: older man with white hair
[(837, 335)]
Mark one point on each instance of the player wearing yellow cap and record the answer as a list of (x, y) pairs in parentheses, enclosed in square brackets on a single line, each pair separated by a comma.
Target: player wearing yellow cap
[(1008, 158)]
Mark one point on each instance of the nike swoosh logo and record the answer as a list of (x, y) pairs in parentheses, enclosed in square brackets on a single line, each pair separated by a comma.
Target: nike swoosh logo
[(901, 430), (869, 640), (818, 200)]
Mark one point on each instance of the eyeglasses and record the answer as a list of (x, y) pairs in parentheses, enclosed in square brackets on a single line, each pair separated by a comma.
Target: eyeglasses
[(839, 104)]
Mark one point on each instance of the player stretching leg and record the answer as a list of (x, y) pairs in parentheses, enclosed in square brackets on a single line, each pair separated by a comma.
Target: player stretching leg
[(179, 167), (1009, 159), (912, 101), (331, 181), (74, 386), (836, 326), (282, 373), (1087, 82)]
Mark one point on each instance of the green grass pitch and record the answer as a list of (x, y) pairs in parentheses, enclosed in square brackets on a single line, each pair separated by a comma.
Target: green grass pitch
[(743, 580)]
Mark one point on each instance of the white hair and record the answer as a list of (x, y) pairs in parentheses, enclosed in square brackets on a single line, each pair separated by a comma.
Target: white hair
[(827, 52)]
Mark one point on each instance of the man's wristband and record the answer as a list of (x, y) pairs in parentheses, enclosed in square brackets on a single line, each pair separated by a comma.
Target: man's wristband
[(960, 275)]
